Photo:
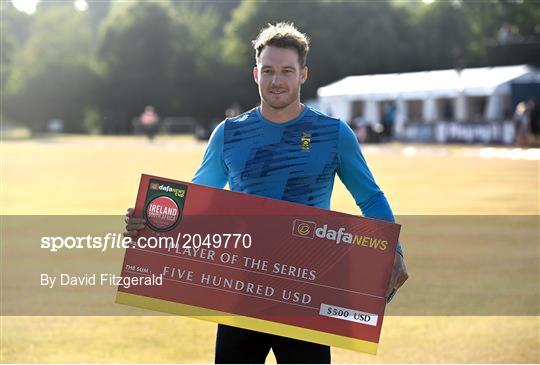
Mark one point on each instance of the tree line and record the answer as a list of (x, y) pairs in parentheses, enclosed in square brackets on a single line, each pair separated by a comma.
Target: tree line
[(97, 69)]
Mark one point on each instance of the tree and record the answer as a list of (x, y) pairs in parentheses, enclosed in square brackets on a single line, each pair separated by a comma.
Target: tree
[(161, 55), (14, 29), (442, 36), (347, 38), (486, 18), (138, 58), (51, 76)]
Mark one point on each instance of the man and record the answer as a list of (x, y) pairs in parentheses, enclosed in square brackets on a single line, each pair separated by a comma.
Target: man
[(285, 150), (149, 121)]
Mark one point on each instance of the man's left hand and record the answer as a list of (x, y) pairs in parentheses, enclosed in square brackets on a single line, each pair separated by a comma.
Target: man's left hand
[(399, 275)]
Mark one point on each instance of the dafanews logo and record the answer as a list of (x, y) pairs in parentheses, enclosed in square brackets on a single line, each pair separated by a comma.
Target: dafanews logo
[(304, 229), (310, 230), (166, 188)]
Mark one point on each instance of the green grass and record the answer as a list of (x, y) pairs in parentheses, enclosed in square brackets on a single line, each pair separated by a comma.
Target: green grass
[(99, 175)]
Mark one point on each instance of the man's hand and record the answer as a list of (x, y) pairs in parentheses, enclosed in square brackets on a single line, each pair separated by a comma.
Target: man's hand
[(133, 224), (399, 276)]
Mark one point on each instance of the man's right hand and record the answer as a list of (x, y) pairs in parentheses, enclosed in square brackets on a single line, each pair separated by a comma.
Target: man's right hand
[(133, 224)]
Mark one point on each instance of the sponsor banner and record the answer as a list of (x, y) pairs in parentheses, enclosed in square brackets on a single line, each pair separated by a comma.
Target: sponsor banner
[(262, 264), (475, 132), (417, 132), (459, 132)]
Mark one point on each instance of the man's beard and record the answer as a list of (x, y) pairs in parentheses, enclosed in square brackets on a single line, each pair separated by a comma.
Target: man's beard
[(283, 103)]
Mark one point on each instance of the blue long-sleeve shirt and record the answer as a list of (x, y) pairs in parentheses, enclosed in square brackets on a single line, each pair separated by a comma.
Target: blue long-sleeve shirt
[(294, 161)]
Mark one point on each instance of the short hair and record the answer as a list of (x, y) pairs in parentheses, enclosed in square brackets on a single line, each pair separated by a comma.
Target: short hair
[(282, 35)]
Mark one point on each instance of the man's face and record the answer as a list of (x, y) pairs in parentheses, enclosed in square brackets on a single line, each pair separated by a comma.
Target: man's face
[(279, 76)]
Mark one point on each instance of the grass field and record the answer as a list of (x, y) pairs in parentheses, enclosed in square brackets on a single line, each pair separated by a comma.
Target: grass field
[(97, 175)]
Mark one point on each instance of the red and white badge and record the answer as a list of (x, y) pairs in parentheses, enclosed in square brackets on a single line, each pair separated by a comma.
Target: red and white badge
[(162, 213)]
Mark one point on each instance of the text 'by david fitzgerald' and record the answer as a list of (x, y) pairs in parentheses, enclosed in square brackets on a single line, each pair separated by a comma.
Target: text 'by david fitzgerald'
[(102, 279)]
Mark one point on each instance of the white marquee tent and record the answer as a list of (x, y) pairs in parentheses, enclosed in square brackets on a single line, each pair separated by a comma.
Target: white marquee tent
[(493, 84)]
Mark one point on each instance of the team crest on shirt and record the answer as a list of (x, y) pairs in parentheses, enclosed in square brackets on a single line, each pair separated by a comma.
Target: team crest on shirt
[(305, 142)]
